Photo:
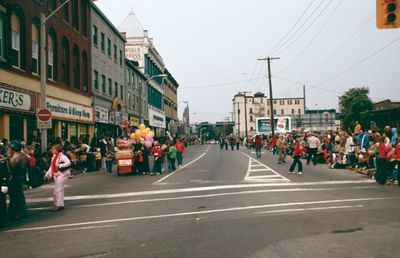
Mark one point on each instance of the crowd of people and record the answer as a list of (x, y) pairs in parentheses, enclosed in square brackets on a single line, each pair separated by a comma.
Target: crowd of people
[(26, 166), (369, 149)]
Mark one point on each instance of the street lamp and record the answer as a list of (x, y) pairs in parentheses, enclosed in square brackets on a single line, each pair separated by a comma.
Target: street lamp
[(140, 92), (43, 64)]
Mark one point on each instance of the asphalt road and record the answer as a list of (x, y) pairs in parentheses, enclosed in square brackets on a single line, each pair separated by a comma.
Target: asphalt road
[(221, 204)]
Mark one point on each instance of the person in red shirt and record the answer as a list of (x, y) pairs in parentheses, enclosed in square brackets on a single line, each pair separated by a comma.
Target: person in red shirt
[(259, 144), (180, 150), (298, 153), (157, 153), (381, 162)]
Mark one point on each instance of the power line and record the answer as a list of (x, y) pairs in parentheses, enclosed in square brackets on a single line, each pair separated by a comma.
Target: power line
[(304, 31), (218, 85), (291, 29), (299, 28), (359, 62), (320, 65), (313, 39)]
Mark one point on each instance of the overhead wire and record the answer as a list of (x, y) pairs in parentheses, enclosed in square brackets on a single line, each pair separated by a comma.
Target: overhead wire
[(217, 85), (304, 31), (348, 40), (290, 30), (313, 39)]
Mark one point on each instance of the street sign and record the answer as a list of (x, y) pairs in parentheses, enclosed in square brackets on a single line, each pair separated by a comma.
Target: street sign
[(43, 116)]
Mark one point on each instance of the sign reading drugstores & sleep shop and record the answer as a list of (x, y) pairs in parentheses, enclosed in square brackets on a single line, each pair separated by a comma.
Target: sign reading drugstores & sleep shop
[(64, 110), (16, 100)]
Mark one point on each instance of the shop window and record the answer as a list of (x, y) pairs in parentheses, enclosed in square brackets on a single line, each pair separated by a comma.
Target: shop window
[(110, 87), (103, 83), (35, 48), (75, 14), (51, 55), (2, 28), (96, 79), (32, 132), (76, 67), (85, 72), (83, 130), (84, 18), (64, 130), (16, 128), (73, 127), (15, 40), (65, 61)]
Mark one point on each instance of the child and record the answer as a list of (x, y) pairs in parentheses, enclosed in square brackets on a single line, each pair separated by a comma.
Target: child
[(109, 160), (98, 159), (172, 157)]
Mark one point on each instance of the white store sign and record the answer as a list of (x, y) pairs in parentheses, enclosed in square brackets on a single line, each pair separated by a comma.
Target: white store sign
[(101, 115), (15, 100), (70, 111), (156, 119)]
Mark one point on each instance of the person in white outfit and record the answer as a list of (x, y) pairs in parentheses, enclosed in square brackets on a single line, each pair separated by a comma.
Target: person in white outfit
[(59, 170)]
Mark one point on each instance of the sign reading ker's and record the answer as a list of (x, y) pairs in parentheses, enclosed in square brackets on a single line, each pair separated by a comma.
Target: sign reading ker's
[(12, 99)]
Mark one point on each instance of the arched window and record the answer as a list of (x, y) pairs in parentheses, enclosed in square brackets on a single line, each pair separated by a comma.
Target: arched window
[(16, 40), (76, 68), (51, 55), (85, 72), (75, 14), (84, 14), (35, 48), (65, 61)]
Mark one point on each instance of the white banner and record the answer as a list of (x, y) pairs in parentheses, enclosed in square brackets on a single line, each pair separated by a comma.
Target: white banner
[(15, 100), (101, 115), (69, 111)]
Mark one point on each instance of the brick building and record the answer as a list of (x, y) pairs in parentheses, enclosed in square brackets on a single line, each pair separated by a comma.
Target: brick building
[(68, 68)]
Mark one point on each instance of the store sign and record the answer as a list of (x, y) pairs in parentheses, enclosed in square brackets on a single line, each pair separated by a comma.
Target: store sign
[(70, 111), (156, 119), (101, 115), (11, 99), (134, 53), (111, 117), (281, 125)]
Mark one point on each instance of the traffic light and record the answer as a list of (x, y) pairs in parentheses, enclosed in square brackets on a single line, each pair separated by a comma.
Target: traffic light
[(387, 14)]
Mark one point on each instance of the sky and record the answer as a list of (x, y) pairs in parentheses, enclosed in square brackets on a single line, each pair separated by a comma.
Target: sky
[(211, 48)]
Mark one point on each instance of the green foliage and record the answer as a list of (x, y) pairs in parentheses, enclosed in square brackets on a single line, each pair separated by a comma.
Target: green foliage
[(355, 105)]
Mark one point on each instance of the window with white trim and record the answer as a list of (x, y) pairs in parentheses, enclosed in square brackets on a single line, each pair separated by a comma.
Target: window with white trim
[(35, 49), (50, 57), (15, 40), (2, 19)]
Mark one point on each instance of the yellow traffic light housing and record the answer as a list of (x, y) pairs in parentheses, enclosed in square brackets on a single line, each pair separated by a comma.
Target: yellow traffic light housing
[(387, 14)]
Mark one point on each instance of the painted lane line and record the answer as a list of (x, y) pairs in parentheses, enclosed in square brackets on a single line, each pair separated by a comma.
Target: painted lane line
[(261, 169), (268, 176), (288, 190), (311, 209), (199, 189), (79, 228), (250, 170), (240, 208), (173, 173)]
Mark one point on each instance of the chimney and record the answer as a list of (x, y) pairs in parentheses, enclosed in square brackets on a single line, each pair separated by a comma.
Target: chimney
[(146, 33)]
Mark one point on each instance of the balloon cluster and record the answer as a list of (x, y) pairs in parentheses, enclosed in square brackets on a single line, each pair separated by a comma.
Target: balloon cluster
[(144, 135)]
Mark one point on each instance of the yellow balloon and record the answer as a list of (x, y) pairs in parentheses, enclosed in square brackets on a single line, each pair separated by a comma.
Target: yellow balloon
[(133, 136), (152, 133), (138, 134), (142, 127), (143, 134), (147, 130)]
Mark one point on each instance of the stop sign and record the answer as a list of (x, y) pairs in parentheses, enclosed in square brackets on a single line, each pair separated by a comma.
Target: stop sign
[(44, 114)]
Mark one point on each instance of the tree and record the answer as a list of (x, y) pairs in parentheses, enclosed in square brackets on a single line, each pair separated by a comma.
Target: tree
[(355, 105)]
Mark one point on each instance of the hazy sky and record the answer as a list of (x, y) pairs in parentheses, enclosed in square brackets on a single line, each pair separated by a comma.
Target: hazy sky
[(211, 48)]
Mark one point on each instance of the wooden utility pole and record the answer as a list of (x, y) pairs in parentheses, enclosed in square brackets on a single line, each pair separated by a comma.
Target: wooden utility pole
[(268, 59)]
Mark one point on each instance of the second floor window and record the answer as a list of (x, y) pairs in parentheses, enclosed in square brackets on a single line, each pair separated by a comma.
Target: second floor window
[(35, 49), (75, 14), (95, 36), (15, 40), (96, 79), (103, 83), (102, 42)]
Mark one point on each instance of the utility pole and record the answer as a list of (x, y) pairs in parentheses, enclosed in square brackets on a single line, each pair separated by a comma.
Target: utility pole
[(238, 107), (245, 111), (270, 91)]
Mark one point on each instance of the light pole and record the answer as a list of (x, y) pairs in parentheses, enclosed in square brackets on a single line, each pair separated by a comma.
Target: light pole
[(140, 92)]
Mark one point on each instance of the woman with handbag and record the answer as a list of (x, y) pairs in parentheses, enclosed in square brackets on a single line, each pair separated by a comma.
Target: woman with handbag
[(59, 170)]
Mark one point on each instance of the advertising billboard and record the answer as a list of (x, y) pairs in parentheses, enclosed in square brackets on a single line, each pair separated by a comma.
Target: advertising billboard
[(281, 125)]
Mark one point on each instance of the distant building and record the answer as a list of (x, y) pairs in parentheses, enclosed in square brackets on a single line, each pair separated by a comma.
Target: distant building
[(140, 48), (247, 108), (317, 120), (385, 113), (108, 69), (171, 102)]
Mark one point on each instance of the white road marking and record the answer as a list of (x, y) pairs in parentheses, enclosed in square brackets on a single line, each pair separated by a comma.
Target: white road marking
[(173, 173), (209, 196), (79, 228), (199, 189), (241, 208), (312, 209), (256, 167)]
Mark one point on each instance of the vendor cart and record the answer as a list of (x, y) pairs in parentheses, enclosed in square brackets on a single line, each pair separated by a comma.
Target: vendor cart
[(125, 157)]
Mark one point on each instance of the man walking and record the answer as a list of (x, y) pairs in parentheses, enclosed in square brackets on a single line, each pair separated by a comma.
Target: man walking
[(180, 150)]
